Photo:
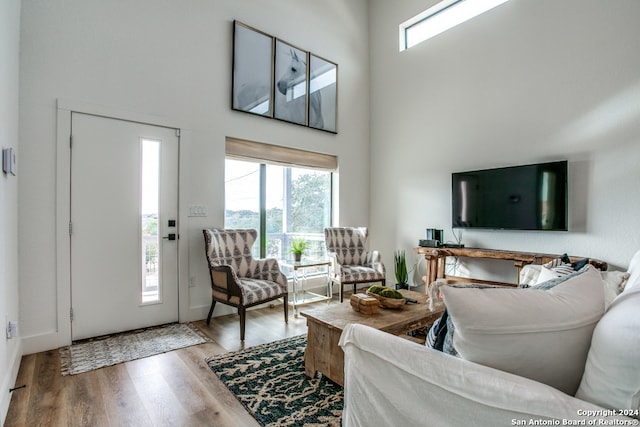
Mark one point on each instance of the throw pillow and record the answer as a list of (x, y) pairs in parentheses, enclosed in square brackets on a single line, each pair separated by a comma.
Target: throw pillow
[(614, 284), (563, 265), (562, 259), (577, 265), (612, 281), (615, 281), (547, 274), (537, 334), (611, 376), (529, 275), (440, 335), (533, 274), (634, 270), (437, 332), (555, 281)]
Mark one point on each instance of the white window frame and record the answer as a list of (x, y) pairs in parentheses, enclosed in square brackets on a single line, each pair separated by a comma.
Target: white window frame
[(269, 154), (440, 18)]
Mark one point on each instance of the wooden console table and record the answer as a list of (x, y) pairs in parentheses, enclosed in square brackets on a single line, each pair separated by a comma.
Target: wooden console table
[(437, 257)]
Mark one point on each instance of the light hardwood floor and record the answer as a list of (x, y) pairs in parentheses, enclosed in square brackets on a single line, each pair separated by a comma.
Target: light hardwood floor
[(171, 389)]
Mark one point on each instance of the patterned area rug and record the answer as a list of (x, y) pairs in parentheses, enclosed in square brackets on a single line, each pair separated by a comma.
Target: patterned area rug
[(96, 353), (270, 382)]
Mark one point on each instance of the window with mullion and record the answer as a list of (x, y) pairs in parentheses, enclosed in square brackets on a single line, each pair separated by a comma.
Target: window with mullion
[(280, 202)]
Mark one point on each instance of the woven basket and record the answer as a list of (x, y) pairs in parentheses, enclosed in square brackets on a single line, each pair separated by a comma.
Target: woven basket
[(388, 302)]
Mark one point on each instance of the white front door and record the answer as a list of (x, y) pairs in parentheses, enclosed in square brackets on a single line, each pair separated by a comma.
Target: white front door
[(123, 226)]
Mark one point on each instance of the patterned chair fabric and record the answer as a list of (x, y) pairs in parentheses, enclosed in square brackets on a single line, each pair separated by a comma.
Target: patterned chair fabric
[(352, 262), (238, 279)]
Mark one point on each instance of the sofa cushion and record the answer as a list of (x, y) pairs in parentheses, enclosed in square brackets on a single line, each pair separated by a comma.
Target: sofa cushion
[(611, 376), (539, 334)]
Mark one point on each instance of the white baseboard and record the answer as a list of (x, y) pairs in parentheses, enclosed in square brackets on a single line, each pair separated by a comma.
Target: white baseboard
[(44, 342), (9, 379)]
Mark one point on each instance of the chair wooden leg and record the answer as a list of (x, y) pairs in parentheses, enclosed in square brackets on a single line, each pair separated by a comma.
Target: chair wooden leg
[(213, 304), (243, 314), (341, 291), (286, 308)]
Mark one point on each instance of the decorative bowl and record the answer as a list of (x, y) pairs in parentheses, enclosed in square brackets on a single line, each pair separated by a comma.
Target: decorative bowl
[(388, 302)]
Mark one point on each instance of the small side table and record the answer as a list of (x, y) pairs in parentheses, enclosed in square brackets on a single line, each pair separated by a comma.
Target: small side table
[(300, 296)]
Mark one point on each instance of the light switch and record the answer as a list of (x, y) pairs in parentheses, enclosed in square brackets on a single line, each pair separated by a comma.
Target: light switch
[(197, 210)]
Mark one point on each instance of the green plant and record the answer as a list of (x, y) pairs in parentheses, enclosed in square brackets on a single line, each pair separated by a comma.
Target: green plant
[(391, 293), (384, 291), (376, 289), (402, 276), (298, 245)]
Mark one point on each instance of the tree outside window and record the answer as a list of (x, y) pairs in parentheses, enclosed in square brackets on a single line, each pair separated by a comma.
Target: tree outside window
[(296, 202)]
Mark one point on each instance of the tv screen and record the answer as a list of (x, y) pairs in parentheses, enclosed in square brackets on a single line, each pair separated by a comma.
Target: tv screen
[(530, 197)]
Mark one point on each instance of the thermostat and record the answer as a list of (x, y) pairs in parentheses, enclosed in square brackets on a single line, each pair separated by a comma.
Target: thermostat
[(9, 161)]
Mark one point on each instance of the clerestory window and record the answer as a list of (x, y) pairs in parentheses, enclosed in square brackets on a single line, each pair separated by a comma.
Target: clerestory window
[(441, 17)]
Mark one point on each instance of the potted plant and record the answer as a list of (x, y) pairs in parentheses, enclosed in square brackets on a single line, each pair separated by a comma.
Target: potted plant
[(402, 276), (298, 246)]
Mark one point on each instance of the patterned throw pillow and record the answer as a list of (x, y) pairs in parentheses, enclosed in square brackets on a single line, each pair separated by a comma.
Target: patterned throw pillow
[(563, 265), (437, 332), (549, 284), (558, 267)]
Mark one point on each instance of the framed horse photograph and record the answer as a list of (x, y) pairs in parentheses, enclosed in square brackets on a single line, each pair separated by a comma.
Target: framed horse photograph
[(290, 92), (252, 70), (323, 94)]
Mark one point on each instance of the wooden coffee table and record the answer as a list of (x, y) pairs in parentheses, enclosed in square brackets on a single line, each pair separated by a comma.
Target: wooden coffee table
[(325, 325)]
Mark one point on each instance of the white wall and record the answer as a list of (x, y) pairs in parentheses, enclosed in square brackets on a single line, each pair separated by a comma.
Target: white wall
[(171, 60), (10, 349), (527, 82)]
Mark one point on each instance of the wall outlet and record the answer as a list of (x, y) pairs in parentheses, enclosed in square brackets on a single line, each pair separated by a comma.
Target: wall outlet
[(192, 282)]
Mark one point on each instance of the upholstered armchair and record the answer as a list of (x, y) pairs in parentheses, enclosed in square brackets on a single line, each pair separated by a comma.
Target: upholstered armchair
[(351, 261), (237, 279)]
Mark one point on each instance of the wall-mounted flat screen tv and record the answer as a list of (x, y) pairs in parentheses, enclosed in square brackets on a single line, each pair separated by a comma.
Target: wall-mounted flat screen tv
[(529, 197)]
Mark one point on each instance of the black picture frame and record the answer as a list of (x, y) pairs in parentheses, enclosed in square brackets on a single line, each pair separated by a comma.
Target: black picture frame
[(323, 94), (290, 83), (252, 82)]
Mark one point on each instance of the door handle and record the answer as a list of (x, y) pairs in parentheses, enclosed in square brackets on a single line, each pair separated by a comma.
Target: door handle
[(171, 236)]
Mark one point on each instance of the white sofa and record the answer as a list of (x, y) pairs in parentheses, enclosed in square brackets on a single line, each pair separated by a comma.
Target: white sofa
[(391, 381)]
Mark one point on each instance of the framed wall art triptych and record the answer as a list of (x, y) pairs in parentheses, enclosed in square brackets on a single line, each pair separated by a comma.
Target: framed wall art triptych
[(275, 79)]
